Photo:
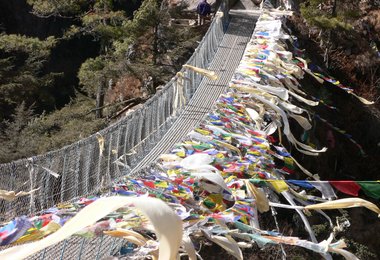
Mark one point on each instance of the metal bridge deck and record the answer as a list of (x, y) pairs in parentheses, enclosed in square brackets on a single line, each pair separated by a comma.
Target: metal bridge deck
[(225, 62)]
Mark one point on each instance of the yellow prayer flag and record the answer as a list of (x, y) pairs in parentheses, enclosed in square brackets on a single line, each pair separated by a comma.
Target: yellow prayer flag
[(219, 156), (181, 154), (32, 236), (163, 184), (279, 185), (288, 161), (202, 131)]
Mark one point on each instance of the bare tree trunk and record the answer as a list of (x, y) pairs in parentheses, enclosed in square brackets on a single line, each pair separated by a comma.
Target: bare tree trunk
[(327, 49), (320, 36), (326, 57), (155, 44), (333, 12), (100, 99)]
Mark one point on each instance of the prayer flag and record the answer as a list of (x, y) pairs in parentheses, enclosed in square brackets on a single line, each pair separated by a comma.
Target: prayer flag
[(347, 187), (279, 185), (303, 184), (370, 188), (325, 188)]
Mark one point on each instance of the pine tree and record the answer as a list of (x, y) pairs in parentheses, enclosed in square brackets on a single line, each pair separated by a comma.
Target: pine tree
[(113, 29), (11, 137), (331, 17), (22, 60)]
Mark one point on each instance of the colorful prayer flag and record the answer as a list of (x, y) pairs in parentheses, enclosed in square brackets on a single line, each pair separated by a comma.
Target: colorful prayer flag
[(347, 187), (370, 188)]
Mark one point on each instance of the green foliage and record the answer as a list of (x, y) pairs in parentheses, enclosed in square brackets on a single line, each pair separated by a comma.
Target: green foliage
[(323, 14), (320, 229), (26, 135), (92, 71), (360, 250), (53, 7), (146, 17), (65, 126), (19, 120), (22, 60), (111, 27), (10, 135), (105, 26), (326, 23), (116, 32), (36, 51)]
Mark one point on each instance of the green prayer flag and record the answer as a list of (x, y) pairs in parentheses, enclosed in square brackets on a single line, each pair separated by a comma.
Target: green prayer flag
[(370, 188), (243, 227), (261, 241), (38, 224), (202, 146), (259, 182)]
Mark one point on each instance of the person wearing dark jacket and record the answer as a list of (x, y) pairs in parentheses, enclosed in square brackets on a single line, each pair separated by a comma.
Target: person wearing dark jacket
[(203, 10)]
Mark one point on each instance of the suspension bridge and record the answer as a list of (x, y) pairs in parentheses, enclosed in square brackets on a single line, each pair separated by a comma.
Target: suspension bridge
[(132, 146)]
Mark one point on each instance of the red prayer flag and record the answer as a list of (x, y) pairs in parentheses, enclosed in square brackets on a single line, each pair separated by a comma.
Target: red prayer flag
[(149, 184), (347, 187)]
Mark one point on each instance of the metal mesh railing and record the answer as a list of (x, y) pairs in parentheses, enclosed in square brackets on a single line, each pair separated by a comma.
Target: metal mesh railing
[(88, 165), (84, 248)]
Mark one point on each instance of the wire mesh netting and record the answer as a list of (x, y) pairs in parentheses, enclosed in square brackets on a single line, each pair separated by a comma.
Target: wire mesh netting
[(84, 248), (91, 164)]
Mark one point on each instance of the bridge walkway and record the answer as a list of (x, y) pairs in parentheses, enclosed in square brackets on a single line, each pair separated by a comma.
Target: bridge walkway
[(225, 62)]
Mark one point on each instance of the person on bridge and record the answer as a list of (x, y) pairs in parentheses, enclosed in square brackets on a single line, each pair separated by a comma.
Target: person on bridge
[(203, 10)]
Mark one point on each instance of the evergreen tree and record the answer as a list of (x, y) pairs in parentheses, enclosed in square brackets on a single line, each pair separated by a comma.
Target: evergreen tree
[(133, 46), (332, 18), (22, 61), (46, 8), (330, 14), (11, 137), (112, 28)]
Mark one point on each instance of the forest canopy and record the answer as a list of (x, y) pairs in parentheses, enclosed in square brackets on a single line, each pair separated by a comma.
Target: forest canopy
[(22, 61), (137, 51)]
